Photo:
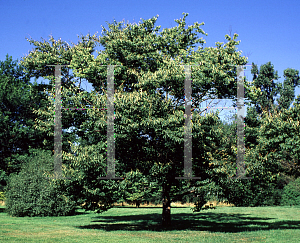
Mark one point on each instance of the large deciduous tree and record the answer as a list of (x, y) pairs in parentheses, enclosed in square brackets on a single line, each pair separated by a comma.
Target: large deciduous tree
[(149, 106)]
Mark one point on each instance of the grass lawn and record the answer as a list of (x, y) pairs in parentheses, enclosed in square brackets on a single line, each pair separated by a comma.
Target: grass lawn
[(129, 224)]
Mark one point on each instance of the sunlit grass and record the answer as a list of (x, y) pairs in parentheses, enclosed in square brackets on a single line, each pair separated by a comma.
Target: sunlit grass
[(130, 224)]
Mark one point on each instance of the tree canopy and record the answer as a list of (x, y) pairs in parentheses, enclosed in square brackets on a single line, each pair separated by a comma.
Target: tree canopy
[(149, 103)]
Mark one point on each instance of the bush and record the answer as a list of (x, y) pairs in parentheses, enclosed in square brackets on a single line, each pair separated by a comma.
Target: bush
[(137, 188), (30, 193), (251, 193), (2, 196), (275, 198), (200, 201), (291, 194)]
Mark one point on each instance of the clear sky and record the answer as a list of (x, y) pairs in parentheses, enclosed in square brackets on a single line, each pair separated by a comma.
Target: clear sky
[(268, 30)]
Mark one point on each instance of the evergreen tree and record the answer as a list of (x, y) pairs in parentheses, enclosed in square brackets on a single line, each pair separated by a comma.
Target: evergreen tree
[(18, 97), (287, 94)]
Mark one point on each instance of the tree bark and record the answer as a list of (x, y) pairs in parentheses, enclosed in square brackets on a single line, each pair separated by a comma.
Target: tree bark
[(166, 213)]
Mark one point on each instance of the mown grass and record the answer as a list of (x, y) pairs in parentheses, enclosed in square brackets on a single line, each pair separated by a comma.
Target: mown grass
[(129, 224)]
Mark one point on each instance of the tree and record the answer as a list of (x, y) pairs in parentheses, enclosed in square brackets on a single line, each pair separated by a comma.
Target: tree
[(18, 97), (269, 127), (264, 80), (287, 94), (149, 105), (279, 133)]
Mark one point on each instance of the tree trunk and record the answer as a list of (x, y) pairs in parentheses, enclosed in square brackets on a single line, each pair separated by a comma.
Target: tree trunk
[(137, 204), (166, 213)]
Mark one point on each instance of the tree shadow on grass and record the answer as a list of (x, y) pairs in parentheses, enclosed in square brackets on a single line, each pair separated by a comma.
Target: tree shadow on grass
[(79, 213), (143, 206), (209, 221)]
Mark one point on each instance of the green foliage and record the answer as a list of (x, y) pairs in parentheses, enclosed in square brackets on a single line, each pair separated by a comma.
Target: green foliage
[(264, 81), (251, 193), (290, 82), (18, 98), (251, 131), (31, 193), (137, 188), (149, 106), (291, 195), (262, 163), (90, 192), (271, 140), (202, 194), (2, 196)]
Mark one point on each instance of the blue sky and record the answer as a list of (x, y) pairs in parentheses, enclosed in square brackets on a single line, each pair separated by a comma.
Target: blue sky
[(268, 30)]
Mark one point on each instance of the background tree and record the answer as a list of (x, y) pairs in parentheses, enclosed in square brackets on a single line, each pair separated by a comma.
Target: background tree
[(287, 94), (264, 80), (18, 97), (269, 127)]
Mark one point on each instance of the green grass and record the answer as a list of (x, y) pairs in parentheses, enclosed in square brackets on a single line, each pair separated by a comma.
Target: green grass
[(129, 224)]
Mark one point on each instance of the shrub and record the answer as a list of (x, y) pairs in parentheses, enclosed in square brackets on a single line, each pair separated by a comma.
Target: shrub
[(2, 196), (205, 191), (200, 201), (291, 194), (30, 193), (250, 193), (137, 188)]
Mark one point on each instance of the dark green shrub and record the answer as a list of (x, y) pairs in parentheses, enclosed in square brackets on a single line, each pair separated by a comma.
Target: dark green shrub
[(291, 194), (199, 201), (30, 193), (275, 198), (251, 193)]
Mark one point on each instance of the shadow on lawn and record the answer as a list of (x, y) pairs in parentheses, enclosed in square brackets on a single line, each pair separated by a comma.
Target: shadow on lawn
[(213, 222), (143, 206)]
